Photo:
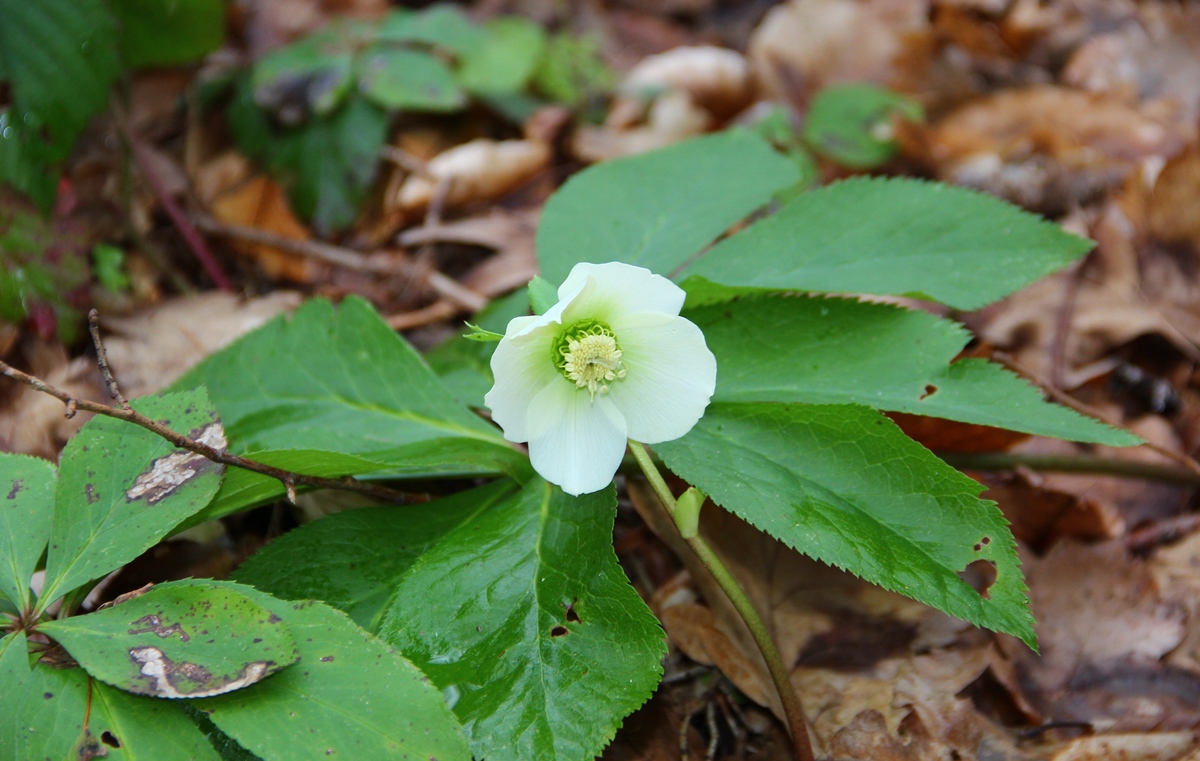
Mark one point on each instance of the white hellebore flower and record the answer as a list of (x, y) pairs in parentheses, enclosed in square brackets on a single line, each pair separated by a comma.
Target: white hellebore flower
[(611, 360)]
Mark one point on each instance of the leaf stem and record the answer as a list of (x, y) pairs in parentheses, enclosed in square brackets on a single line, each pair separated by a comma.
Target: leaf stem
[(792, 708)]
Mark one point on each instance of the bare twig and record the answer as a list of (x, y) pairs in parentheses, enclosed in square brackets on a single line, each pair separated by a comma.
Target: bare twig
[(1101, 466), (444, 285), (1068, 401), (130, 415), (189, 232), (102, 360), (435, 312)]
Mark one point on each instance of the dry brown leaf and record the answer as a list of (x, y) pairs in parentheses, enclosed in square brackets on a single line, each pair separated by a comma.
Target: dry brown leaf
[(34, 423), (1047, 148), (1102, 628), (804, 45), (509, 233), (148, 350), (717, 79), (1177, 571), (481, 170), (260, 203), (673, 116), (1152, 746)]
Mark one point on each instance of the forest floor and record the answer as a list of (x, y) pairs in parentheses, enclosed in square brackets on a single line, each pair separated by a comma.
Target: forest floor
[(1085, 111)]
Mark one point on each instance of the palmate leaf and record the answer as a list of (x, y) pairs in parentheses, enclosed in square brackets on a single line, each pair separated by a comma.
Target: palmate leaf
[(833, 351), (864, 235), (339, 381), (62, 713), (122, 488), (843, 484), (351, 696)]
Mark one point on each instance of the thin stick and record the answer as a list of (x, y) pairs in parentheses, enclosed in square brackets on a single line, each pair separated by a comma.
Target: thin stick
[(102, 360), (444, 285), (1068, 401), (131, 415), (792, 707), (1102, 466)]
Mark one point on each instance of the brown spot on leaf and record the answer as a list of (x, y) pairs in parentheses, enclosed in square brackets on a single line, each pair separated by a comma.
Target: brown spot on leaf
[(171, 679), (572, 616), (559, 631), (109, 739), (89, 747), (930, 390), (326, 658), (166, 474), (90, 492), (16, 488), (153, 623)]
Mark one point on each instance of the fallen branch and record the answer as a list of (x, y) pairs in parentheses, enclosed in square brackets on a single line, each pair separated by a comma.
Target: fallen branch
[(289, 479)]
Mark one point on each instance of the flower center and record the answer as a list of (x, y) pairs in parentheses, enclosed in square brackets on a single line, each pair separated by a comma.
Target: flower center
[(587, 354)]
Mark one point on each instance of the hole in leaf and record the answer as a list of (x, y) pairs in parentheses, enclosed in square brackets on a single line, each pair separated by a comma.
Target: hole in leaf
[(559, 631), (930, 390), (980, 575), (572, 616), (109, 739)]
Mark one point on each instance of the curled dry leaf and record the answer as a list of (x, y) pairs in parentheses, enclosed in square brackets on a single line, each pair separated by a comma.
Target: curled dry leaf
[(481, 170), (717, 79), (804, 45), (672, 117)]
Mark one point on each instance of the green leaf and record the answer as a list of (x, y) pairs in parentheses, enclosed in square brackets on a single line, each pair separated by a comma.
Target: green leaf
[(523, 618), (122, 488), (327, 165), (351, 696), (442, 25), (179, 640), (354, 559), (158, 33), (61, 58), (61, 713), (890, 236), (852, 123), (24, 159), (26, 509), (507, 58), (340, 380), (311, 75), (465, 366), (834, 351), (843, 484), (573, 72), (408, 79), (660, 208)]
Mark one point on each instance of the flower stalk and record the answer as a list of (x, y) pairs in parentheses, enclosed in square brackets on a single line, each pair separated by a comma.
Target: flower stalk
[(792, 708)]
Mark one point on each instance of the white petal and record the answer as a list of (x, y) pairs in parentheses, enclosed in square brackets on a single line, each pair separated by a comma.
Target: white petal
[(618, 289), (575, 442), (670, 377), (522, 367)]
